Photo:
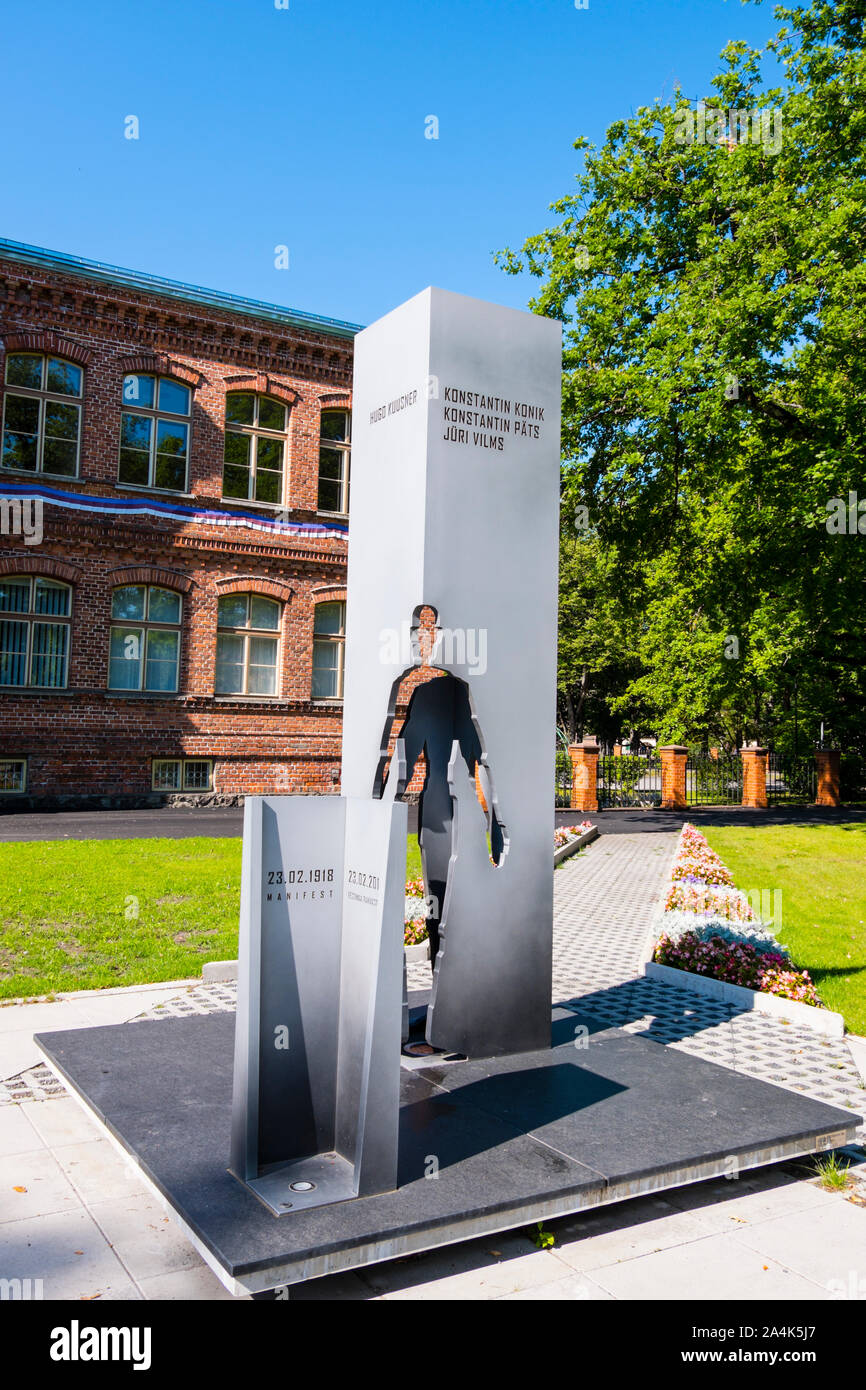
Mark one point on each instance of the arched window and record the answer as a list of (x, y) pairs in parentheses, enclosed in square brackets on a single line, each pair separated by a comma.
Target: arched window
[(145, 638), (34, 631), (248, 645), (154, 433), (329, 641), (42, 414), (334, 447), (255, 448)]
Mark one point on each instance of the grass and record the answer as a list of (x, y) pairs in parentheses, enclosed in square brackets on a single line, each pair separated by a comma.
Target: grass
[(819, 869), (88, 914), (91, 914), (413, 858), (833, 1172)]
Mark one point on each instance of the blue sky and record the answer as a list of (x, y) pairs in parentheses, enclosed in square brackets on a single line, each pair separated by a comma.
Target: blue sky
[(305, 127)]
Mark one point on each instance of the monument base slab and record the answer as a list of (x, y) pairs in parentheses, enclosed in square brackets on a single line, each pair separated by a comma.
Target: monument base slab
[(305, 1182), (485, 1145)]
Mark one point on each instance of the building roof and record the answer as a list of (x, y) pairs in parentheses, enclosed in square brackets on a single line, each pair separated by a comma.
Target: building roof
[(172, 289)]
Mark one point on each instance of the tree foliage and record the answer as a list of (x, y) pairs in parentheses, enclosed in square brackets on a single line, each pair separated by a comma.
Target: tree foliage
[(713, 296)]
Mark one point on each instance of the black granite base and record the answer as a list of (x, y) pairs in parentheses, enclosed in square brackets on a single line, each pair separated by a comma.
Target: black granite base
[(513, 1140)]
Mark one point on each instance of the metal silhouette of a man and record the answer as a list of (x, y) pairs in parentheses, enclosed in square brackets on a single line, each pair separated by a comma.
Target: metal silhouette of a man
[(440, 716)]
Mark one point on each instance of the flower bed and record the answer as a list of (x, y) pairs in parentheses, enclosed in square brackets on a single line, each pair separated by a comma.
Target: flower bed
[(708, 900), (709, 928), (736, 963), (564, 833), (416, 913)]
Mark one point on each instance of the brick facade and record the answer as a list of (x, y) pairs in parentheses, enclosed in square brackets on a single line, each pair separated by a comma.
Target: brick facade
[(584, 775), (828, 768), (754, 761), (673, 760), (85, 744)]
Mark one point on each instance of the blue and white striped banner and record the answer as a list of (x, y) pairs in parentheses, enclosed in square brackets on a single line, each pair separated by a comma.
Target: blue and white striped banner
[(174, 511)]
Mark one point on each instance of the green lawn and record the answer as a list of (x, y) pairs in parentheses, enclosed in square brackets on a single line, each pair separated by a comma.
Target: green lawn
[(86, 914), (819, 869), (413, 858), (89, 914)]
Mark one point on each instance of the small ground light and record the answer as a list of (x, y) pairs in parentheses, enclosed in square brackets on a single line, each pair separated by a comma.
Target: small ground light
[(302, 1186)]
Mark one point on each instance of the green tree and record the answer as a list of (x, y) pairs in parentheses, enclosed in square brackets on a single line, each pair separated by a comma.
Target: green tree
[(713, 294)]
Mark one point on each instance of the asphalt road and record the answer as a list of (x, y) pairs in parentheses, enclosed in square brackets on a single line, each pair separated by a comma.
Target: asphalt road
[(219, 821), (164, 822)]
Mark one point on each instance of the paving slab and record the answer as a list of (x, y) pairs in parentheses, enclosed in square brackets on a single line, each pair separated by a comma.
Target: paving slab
[(751, 1198), (574, 1288), (67, 1251), (143, 1236), (824, 1244), (630, 1112), (17, 1134), (515, 1139), (84, 1009), (198, 1285), (717, 1267), (96, 1170), (594, 1239), (62, 1122), (33, 1184)]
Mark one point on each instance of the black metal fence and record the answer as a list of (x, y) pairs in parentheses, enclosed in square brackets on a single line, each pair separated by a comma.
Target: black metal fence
[(563, 778), (629, 781), (852, 777), (636, 779), (714, 781), (790, 780)]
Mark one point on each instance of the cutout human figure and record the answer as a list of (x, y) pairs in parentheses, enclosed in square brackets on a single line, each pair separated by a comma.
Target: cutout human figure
[(439, 715)]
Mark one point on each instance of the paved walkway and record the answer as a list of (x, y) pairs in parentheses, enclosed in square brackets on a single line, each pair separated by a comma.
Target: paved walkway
[(74, 1214), (606, 902)]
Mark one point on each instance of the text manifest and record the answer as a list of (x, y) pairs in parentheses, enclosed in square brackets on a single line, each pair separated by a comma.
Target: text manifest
[(298, 885)]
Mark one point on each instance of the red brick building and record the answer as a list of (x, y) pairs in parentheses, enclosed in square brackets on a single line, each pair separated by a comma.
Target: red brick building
[(174, 475)]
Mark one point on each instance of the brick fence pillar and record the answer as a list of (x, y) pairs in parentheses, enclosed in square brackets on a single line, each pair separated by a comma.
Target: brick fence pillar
[(617, 750), (584, 772), (673, 757), (754, 778), (827, 768)]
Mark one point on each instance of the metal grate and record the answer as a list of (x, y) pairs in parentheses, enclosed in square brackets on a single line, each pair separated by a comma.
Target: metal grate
[(790, 780), (714, 781), (563, 778), (629, 781), (852, 777)]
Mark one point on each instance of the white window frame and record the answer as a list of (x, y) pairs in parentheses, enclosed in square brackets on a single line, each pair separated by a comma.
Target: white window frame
[(45, 619), (254, 431), (15, 791), (43, 397), (345, 448), (181, 764), (274, 633), (334, 639), (145, 626), (155, 414)]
